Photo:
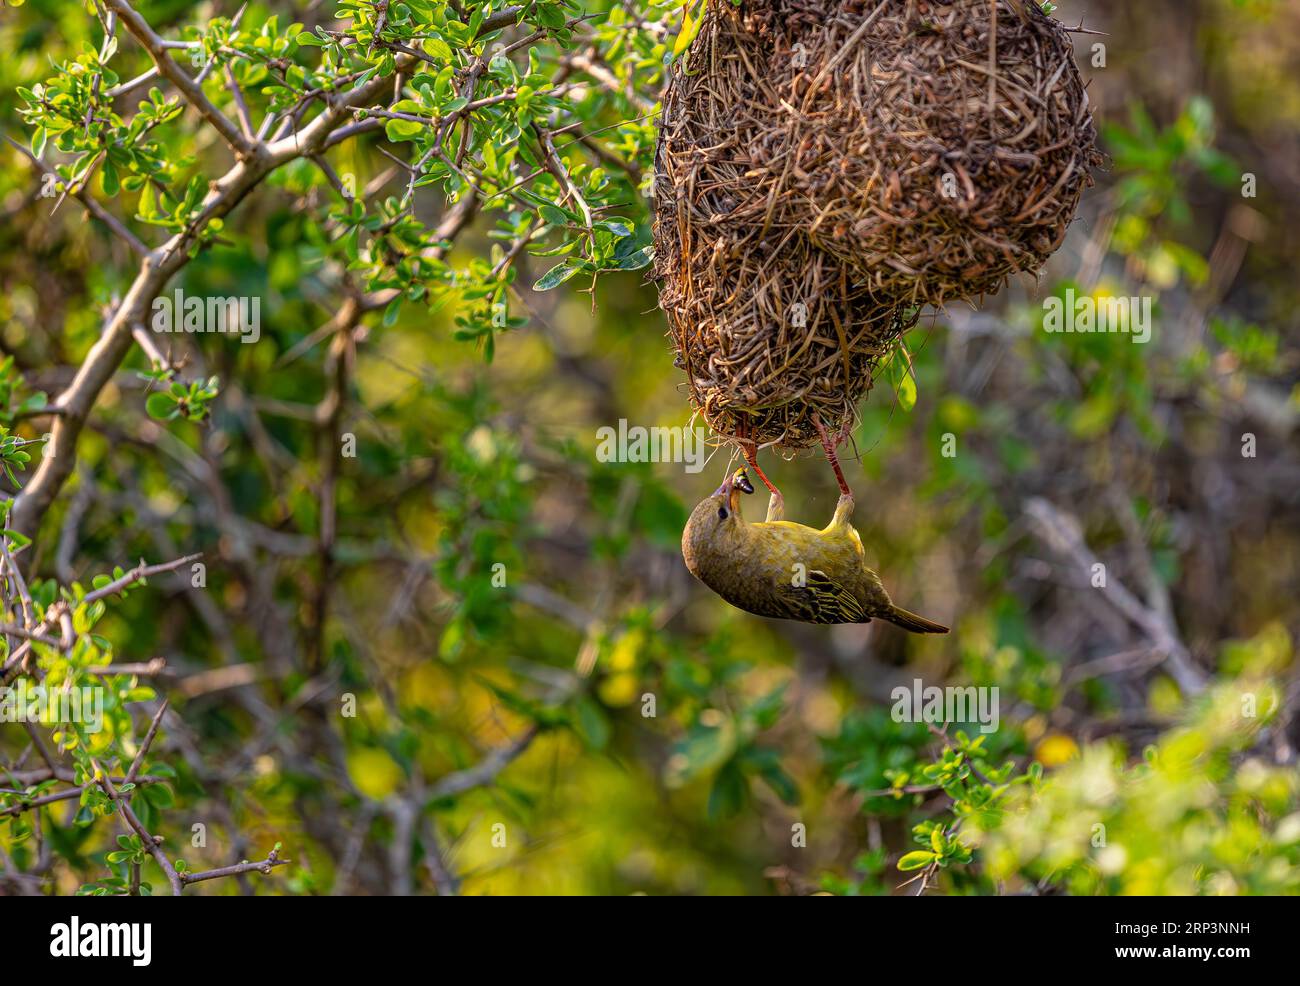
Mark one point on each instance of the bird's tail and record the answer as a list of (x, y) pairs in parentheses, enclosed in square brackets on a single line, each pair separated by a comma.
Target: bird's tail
[(911, 622)]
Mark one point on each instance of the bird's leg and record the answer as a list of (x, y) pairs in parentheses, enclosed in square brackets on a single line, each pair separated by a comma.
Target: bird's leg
[(776, 504), (834, 459)]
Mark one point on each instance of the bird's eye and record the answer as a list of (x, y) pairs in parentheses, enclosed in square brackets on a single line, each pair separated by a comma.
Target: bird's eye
[(722, 513)]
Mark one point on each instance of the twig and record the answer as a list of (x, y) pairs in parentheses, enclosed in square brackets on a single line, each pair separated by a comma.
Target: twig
[(138, 574), (158, 50), (486, 770), (261, 866), (91, 204), (1061, 532)]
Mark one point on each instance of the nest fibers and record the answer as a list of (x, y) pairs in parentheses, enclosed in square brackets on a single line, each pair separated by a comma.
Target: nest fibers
[(825, 166), (771, 337)]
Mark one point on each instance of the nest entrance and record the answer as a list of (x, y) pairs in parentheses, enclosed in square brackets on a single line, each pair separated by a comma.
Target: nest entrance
[(825, 167)]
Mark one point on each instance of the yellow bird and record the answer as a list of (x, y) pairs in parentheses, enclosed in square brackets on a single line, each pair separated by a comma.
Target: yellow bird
[(786, 570)]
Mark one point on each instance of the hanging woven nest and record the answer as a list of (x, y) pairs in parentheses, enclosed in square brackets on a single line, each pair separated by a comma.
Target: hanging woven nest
[(770, 329), (934, 147), (806, 153)]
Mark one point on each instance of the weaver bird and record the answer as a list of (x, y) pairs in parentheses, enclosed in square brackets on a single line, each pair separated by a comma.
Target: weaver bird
[(785, 570)]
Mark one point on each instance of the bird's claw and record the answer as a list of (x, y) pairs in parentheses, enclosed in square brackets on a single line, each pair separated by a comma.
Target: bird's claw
[(834, 459), (750, 450)]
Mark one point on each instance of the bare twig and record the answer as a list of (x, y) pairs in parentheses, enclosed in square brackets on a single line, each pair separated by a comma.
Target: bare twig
[(1061, 532), (91, 204), (261, 866)]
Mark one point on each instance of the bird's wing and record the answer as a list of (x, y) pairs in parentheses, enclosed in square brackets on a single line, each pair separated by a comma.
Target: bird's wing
[(822, 600)]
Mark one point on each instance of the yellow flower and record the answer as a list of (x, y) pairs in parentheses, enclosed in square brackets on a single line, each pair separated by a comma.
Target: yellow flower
[(1055, 749)]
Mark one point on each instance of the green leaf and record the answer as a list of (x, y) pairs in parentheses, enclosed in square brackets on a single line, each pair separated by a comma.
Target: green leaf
[(907, 391), (728, 793), (108, 178), (554, 216), (437, 48), (400, 130), (160, 406), (781, 783), (590, 723), (556, 276), (916, 860), (16, 538), (159, 795), (635, 260)]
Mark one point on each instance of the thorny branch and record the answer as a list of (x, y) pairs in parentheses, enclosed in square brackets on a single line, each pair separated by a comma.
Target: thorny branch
[(1061, 533), (258, 151)]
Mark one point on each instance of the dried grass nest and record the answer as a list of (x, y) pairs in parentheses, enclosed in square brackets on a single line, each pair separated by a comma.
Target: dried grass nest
[(825, 167)]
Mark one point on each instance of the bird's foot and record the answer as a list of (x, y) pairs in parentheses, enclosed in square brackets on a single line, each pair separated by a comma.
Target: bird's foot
[(843, 510), (750, 450), (829, 445), (776, 507)]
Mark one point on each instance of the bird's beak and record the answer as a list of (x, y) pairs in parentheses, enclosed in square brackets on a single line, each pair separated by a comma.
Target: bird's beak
[(738, 480)]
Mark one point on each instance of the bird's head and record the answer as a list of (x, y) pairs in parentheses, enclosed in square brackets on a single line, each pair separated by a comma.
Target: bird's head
[(723, 506), (715, 522), (728, 494)]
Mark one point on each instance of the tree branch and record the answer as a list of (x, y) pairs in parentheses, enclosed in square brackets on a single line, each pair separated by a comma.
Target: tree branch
[(158, 50), (1061, 532), (262, 866), (486, 770), (89, 202), (76, 402)]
